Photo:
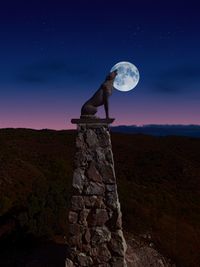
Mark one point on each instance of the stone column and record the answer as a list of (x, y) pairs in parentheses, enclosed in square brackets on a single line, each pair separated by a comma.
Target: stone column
[(95, 235)]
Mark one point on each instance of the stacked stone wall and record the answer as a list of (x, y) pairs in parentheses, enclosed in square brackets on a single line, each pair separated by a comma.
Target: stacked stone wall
[(95, 235)]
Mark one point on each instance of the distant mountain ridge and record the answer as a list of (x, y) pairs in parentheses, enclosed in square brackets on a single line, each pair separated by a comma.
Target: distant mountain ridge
[(160, 129)]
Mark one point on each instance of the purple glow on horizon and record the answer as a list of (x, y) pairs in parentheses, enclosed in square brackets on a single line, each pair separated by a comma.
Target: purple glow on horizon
[(51, 63)]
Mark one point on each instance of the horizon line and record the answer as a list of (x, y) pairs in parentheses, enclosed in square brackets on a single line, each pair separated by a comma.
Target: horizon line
[(120, 125)]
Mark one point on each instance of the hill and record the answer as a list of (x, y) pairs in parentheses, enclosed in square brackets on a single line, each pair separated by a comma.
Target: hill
[(160, 130), (158, 184)]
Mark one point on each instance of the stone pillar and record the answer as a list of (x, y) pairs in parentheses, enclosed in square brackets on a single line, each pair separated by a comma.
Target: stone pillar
[(95, 234)]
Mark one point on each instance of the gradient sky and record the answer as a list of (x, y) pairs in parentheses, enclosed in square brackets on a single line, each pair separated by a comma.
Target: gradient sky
[(55, 54)]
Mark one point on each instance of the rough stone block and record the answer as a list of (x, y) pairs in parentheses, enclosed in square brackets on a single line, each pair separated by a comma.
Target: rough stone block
[(103, 136), (118, 262), (98, 217), (75, 241), (102, 265), (80, 142), (109, 155), (112, 200), (117, 243), (100, 254), (83, 216), (86, 248), (73, 217), (78, 180), (100, 235), (107, 173), (75, 229), (111, 188), (93, 174), (95, 189), (115, 220), (100, 155), (87, 236), (91, 138), (84, 260), (94, 201), (68, 263), (80, 159), (77, 203)]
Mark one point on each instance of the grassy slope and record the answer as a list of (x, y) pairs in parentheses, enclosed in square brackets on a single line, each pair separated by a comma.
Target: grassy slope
[(158, 184)]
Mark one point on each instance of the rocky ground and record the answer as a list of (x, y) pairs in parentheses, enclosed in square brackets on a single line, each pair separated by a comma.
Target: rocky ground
[(141, 252)]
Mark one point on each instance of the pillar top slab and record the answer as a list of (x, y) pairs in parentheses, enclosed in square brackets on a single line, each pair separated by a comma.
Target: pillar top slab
[(95, 121)]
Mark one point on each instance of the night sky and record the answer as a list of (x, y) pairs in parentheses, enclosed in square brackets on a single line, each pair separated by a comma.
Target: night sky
[(55, 54)]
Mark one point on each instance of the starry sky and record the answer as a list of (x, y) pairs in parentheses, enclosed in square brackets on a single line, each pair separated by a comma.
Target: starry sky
[(55, 54)]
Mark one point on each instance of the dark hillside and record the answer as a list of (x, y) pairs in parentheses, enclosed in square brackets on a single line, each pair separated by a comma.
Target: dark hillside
[(158, 184)]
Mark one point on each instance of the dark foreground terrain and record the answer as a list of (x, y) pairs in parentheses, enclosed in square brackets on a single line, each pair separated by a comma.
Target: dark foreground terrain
[(158, 184)]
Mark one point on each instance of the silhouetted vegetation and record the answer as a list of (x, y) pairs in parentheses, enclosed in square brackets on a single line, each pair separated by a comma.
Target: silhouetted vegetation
[(158, 184)]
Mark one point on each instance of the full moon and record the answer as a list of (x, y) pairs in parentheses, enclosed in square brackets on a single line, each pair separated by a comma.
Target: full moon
[(127, 76)]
